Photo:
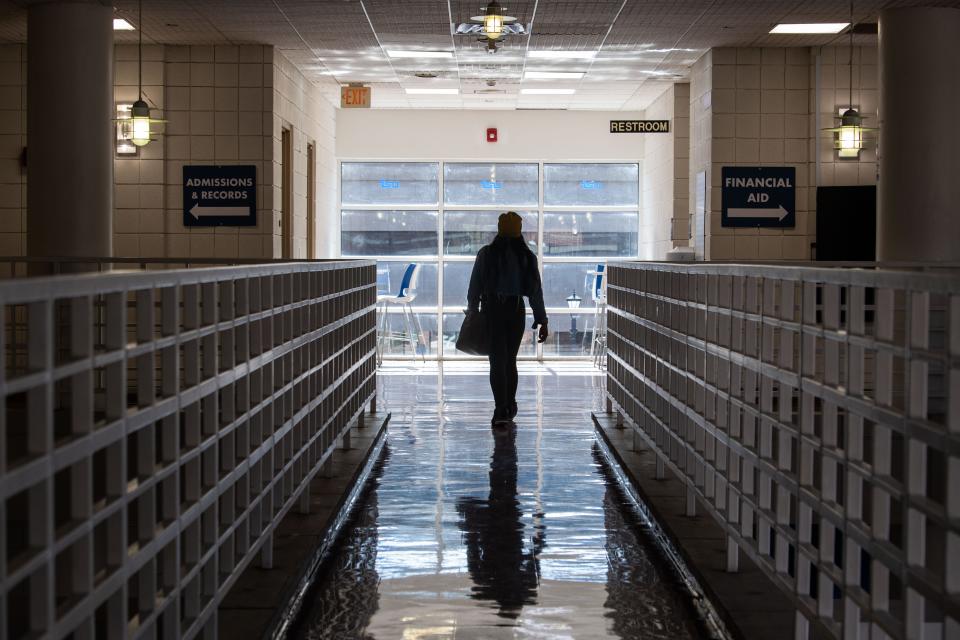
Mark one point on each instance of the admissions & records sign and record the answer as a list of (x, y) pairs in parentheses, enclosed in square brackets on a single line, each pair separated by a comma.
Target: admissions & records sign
[(220, 196)]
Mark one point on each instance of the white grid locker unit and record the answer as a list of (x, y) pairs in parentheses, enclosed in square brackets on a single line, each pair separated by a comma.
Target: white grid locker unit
[(157, 426), (815, 414)]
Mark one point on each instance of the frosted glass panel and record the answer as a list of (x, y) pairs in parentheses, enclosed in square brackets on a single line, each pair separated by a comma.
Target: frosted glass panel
[(560, 280), (490, 184), (585, 233), (388, 233), (456, 281), (570, 333), (389, 183), (591, 184), (464, 232)]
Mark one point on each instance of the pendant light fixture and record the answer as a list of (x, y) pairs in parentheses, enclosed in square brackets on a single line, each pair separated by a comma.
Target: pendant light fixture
[(494, 20), (140, 111), (848, 137)]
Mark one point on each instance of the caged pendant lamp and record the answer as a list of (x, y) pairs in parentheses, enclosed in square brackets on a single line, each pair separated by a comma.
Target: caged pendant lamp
[(140, 111), (849, 136)]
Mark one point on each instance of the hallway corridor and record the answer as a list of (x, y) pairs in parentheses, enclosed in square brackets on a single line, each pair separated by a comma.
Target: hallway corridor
[(469, 534)]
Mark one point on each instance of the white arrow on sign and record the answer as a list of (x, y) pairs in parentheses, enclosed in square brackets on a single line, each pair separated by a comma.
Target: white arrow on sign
[(202, 212), (779, 213)]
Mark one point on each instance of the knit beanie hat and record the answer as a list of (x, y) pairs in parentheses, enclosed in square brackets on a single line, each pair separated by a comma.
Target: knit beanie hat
[(509, 224)]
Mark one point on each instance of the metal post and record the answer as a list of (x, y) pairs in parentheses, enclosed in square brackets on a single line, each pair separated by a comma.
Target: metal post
[(733, 555), (266, 552), (305, 500)]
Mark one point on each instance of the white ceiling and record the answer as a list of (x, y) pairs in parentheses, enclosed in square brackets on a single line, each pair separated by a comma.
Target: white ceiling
[(642, 44)]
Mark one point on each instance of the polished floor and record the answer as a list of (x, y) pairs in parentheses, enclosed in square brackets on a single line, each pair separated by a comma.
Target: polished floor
[(468, 533)]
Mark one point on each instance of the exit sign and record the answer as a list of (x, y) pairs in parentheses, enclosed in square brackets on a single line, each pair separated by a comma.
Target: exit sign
[(354, 97)]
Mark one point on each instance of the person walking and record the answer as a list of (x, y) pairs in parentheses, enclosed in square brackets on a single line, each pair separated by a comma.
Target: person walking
[(505, 271)]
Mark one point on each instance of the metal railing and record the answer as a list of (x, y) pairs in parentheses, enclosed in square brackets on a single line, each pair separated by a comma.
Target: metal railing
[(156, 427), (24, 266), (815, 414)]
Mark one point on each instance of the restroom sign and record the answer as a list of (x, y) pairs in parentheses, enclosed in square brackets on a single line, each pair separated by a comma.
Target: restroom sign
[(220, 196), (639, 126), (758, 197)]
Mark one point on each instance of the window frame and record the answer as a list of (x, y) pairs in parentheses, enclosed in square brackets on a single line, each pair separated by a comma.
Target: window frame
[(444, 307)]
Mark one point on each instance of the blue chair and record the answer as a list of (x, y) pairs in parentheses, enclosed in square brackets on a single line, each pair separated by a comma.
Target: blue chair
[(404, 296)]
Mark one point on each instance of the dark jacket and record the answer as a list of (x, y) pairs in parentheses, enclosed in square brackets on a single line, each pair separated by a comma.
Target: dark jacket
[(507, 267)]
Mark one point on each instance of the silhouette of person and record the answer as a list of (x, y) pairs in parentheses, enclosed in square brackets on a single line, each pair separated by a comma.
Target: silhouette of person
[(501, 570), (505, 271)]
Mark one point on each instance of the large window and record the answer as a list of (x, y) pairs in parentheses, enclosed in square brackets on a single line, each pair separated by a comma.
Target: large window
[(439, 214), (388, 233), (388, 183), (491, 184)]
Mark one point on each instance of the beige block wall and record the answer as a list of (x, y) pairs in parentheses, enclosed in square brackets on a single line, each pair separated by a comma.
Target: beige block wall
[(664, 210), (13, 140), (221, 107), (760, 118), (219, 104), (701, 149), (308, 111), (758, 107)]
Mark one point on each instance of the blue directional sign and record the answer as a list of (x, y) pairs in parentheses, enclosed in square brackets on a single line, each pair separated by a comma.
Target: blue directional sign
[(220, 196), (758, 197)]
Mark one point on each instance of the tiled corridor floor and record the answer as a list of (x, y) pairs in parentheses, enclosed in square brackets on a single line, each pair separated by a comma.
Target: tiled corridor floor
[(471, 534)]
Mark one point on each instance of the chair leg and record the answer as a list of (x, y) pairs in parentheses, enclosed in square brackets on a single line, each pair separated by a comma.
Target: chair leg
[(381, 334), (593, 333), (407, 328), (419, 329), (601, 340)]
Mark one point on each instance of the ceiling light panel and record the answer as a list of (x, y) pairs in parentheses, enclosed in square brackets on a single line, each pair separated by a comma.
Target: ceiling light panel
[(553, 75), (817, 28), (548, 92), (431, 91), (393, 53), (558, 54), (119, 24)]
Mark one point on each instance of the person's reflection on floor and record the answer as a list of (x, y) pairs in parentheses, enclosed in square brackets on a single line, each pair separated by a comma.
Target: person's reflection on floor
[(502, 571)]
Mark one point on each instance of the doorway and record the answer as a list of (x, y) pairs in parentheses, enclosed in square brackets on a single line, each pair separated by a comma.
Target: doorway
[(286, 195), (311, 201)]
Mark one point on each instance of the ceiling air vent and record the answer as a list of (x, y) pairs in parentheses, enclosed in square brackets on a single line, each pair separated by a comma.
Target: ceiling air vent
[(866, 29)]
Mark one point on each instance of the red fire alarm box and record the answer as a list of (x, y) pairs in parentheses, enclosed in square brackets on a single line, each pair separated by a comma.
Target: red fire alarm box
[(492, 134)]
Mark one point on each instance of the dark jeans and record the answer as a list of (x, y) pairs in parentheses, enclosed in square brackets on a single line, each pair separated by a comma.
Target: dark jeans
[(507, 316)]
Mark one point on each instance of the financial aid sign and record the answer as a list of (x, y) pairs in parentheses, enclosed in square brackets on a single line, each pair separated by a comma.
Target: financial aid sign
[(220, 196), (758, 197)]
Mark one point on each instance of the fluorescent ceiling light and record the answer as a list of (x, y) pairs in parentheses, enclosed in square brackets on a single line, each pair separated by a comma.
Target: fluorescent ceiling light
[(119, 24), (548, 92), (822, 27), (553, 75), (419, 54), (419, 91), (553, 53)]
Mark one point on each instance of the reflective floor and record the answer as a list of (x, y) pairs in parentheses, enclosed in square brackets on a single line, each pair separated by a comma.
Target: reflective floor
[(467, 533)]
